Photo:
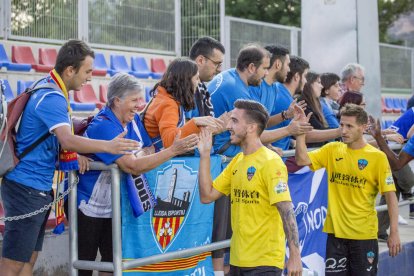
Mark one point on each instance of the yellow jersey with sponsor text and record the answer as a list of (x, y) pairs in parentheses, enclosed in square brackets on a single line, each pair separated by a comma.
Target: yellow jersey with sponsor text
[(255, 182), (354, 179)]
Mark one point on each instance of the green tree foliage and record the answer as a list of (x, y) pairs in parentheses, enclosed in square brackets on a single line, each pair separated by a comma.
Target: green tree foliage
[(389, 11), (283, 12)]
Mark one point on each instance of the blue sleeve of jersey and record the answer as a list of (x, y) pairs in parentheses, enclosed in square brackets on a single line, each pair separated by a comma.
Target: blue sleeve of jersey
[(104, 130), (409, 147), (52, 109)]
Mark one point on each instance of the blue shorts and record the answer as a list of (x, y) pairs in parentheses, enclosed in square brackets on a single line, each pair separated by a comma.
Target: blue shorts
[(22, 237)]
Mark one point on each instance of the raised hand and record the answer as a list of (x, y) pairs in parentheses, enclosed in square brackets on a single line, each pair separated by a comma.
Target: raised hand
[(120, 145), (225, 118), (183, 145), (374, 127), (291, 111), (300, 123), (205, 143)]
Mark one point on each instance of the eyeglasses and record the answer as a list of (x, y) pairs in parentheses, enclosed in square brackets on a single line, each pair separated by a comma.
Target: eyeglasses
[(218, 64)]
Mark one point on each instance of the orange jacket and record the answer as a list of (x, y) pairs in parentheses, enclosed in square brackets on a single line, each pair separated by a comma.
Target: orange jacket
[(162, 118)]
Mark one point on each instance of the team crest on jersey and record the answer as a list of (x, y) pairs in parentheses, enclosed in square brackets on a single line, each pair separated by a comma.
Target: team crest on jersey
[(370, 257), (174, 190), (250, 172), (362, 163)]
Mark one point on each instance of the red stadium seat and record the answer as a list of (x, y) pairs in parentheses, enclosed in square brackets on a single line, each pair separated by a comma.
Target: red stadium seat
[(158, 67), (24, 55), (103, 89), (47, 57), (87, 95)]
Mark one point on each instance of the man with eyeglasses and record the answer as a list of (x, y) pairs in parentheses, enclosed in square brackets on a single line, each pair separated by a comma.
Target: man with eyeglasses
[(208, 54), (353, 77)]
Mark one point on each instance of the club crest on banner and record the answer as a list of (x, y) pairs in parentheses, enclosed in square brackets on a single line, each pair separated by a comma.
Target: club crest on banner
[(362, 163), (175, 188)]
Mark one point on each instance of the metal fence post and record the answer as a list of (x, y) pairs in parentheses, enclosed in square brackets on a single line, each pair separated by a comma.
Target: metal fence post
[(73, 224), (177, 20), (116, 221), (83, 20)]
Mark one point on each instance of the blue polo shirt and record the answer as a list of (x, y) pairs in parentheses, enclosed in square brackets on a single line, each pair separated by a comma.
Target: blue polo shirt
[(94, 188), (45, 111), (329, 114), (409, 147), (403, 124), (283, 101), (265, 94), (225, 89)]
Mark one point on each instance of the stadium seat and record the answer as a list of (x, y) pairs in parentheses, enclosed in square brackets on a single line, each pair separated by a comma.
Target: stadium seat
[(87, 95), (103, 89), (23, 54), (389, 103), (22, 85), (384, 107), (47, 59), (158, 67), (140, 67), (404, 102), (80, 106), (397, 104), (100, 67), (10, 66), (118, 64), (8, 92)]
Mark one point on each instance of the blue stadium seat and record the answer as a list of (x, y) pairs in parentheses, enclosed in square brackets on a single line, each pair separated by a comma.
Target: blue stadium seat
[(10, 66), (140, 67), (119, 64), (403, 102), (22, 85), (397, 104), (100, 67), (389, 102), (8, 93)]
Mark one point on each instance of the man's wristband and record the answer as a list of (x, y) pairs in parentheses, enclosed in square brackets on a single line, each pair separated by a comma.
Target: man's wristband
[(284, 115)]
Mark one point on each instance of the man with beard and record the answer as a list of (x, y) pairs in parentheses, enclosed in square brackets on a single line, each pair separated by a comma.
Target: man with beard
[(294, 82), (227, 87), (356, 172), (233, 84), (261, 205)]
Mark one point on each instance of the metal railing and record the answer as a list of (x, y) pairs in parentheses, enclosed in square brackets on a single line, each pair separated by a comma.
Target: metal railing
[(117, 266)]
